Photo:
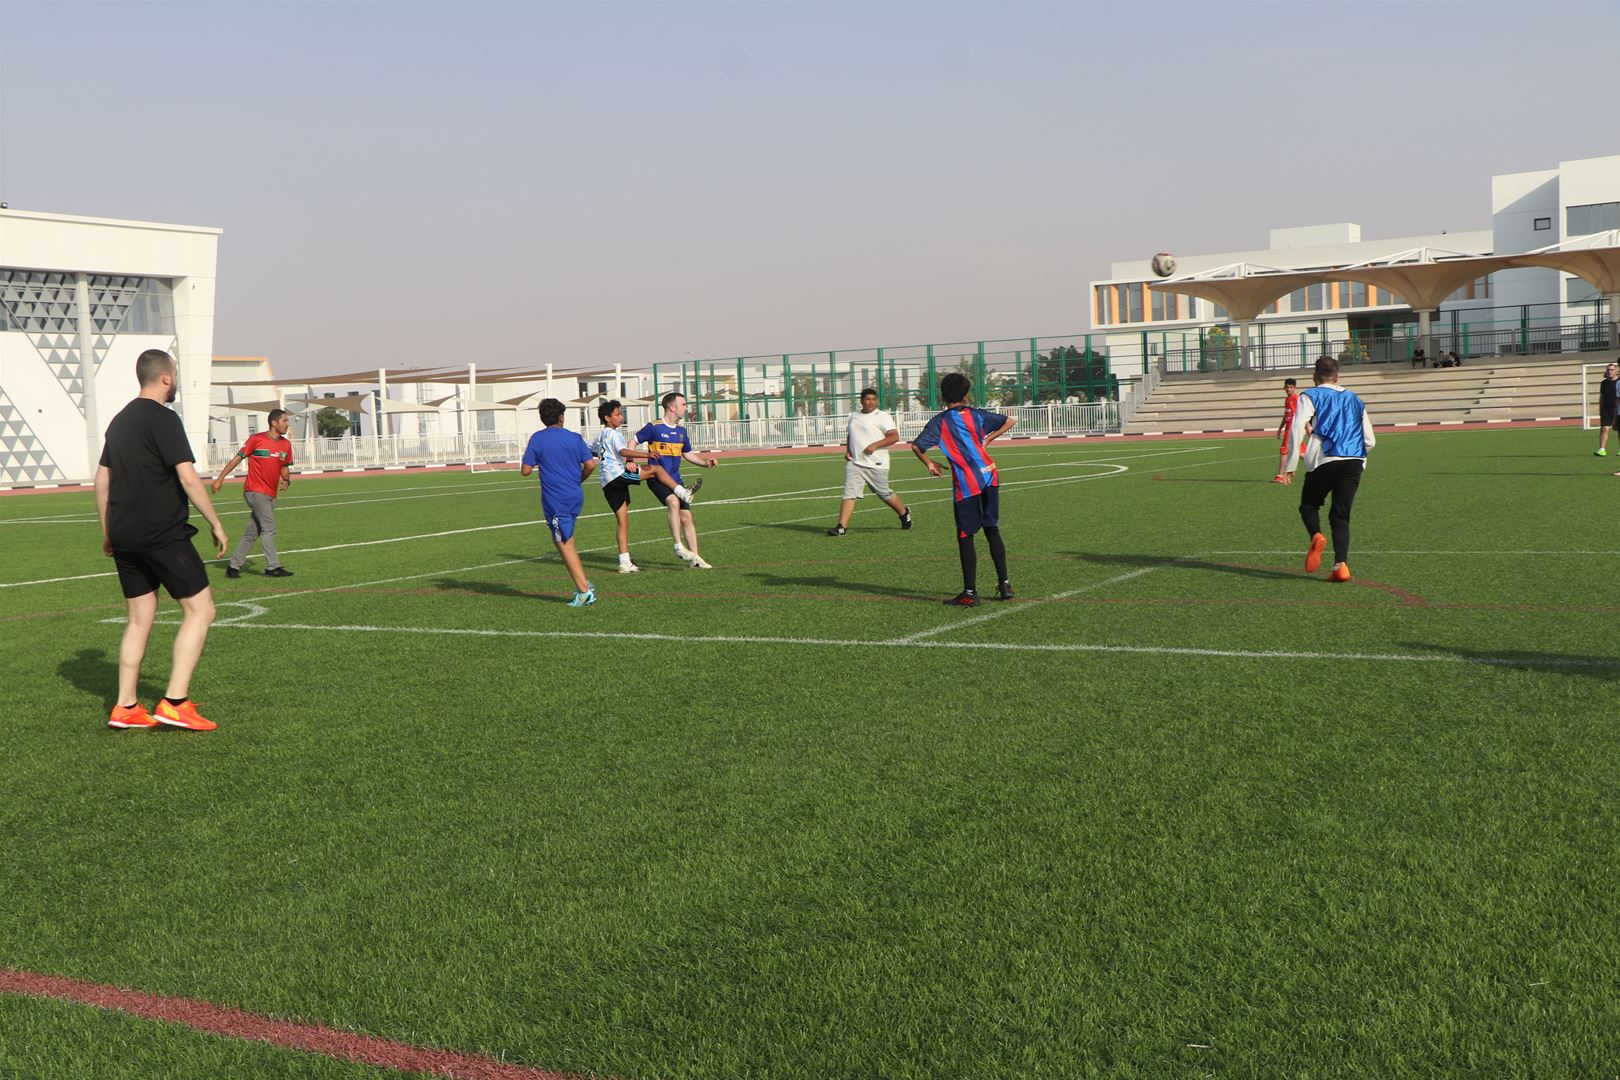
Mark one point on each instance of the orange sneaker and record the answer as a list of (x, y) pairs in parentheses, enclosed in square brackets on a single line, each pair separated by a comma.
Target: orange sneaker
[(1313, 557), (131, 716), (183, 715), (1340, 572)]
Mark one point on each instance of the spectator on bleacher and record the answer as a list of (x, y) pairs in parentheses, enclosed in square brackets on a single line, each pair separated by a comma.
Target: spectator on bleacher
[(1606, 407), (1420, 359)]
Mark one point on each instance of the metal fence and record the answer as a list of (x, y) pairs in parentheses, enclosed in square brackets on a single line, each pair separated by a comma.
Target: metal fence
[(1048, 420), (1530, 330)]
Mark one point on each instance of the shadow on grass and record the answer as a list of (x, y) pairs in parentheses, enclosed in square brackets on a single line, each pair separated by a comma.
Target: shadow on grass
[(1606, 668), (499, 588), (802, 527), (95, 671), (1210, 480), (842, 585), (1188, 564)]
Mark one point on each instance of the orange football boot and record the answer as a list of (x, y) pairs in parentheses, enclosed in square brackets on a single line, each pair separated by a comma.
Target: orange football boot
[(131, 716), (1340, 572), (183, 715), (1313, 557)]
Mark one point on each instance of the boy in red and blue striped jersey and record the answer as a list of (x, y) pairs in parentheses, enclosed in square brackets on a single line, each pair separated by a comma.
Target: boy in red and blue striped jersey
[(964, 433)]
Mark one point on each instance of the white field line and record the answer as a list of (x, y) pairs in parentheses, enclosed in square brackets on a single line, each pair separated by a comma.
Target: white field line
[(283, 507), (997, 646), (997, 613), (1296, 551), (383, 495), (912, 639), (255, 601), (1120, 470), (925, 481), (1021, 452)]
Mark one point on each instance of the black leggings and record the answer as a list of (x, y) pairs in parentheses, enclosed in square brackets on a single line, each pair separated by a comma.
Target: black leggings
[(1340, 478), (970, 557)]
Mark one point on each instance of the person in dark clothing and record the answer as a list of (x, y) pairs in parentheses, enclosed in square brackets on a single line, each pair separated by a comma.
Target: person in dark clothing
[(1332, 424), (146, 472), (1606, 407)]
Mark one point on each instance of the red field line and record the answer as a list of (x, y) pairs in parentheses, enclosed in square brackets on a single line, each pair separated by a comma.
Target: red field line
[(287, 1034)]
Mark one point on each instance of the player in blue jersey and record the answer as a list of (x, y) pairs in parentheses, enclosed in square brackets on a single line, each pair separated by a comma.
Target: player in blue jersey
[(965, 434), (564, 462), (667, 445), (1333, 424), (620, 473)]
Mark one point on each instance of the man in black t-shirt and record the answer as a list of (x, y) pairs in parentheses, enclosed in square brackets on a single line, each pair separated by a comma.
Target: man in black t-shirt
[(1608, 416), (146, 472)]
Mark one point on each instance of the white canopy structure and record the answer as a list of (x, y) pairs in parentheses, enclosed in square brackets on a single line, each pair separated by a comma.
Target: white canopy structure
[(1421, 277)]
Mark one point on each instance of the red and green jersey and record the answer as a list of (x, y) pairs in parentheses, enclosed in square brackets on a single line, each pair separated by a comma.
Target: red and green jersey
[(266, 454)]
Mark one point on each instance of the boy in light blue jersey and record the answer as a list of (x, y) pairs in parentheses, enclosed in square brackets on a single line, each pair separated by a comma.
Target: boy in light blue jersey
[(620, 472), (564, 462), (1332, 424)]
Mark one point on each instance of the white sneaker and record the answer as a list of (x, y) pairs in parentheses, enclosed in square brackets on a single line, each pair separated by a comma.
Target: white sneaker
[(629, 568), (682, 554), (699, 564)]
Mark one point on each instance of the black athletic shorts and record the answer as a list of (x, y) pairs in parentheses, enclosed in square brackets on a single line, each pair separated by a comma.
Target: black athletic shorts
[(617, 492), (176, 566), (662, 493), (1607, 418), (981, 511)]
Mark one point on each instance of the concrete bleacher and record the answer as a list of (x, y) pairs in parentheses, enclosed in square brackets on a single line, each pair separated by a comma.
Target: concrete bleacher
[(1485, 389)]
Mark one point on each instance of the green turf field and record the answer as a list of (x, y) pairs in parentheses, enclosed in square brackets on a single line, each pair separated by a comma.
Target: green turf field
[(1179, 810)]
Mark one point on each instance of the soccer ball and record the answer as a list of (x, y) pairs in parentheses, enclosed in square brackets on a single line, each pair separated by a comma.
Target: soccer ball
[(1164, 264)]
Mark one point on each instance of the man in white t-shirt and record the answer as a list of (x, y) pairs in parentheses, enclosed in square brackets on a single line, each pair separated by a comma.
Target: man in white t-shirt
[(866, 461)]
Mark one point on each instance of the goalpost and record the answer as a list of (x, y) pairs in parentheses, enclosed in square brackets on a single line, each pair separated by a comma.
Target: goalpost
[(1591, 376)]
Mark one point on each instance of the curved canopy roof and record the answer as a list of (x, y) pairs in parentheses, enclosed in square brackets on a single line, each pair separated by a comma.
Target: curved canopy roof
[(1421, 277)]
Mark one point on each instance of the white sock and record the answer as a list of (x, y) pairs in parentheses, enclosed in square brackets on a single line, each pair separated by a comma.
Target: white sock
[(682, 494), (624, 558)]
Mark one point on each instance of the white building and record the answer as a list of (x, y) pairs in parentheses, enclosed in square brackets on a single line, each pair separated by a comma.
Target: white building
[(80, 299), (1530, 211)]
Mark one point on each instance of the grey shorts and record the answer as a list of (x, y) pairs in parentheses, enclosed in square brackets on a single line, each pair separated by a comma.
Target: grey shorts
[(857, 478)]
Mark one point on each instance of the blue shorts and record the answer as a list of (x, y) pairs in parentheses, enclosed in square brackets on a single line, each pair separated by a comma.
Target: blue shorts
[(561, 522), (981, 511)]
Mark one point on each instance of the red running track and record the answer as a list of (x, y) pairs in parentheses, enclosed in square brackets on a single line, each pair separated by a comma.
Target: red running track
[(287, 1034)]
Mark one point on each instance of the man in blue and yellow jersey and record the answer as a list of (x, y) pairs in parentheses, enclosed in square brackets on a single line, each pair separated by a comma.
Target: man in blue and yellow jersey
[(666, 444)]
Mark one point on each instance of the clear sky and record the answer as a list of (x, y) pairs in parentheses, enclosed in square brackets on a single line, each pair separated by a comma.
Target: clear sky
[(515, 183)]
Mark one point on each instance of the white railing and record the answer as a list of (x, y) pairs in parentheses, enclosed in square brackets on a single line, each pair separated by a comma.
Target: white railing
[(370, 452)]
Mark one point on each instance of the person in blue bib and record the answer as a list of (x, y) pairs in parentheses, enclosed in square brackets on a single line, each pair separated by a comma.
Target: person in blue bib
[(1332, 424), (667, 445), (564, 462)]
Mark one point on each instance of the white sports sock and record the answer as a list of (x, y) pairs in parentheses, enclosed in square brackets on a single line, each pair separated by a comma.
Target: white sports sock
[(624, 558), (682, 494)]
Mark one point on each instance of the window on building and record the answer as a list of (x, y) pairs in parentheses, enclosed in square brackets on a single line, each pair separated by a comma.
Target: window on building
[(1316, 297), (1353, 293), (1593, 217), (1543, 224), (1578, 290), (1105, 314), (1133, 302), (1164, 306), (1296, 300)]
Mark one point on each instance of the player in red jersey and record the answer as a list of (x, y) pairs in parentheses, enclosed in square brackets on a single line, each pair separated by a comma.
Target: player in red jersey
[(1290, 404), (269, 457)]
